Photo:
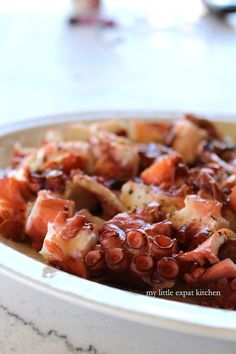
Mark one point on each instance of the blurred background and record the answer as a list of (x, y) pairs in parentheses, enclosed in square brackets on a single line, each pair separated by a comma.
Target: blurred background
[(136, 54)]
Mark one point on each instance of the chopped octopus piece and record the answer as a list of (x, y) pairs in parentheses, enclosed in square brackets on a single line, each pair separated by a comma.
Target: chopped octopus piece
[(116, 157), (27, 160), (201, 212), (72, 132), (162, 170), (212, 160), (229, 249), (136, 195), (146, 132), (224, 269), (67, 156), (68, 241), (109, 201), (83, 198), (204, 124), (91, 218), (53, 180), (44, 210), (21, 155), (206, 184), (188, 138), (148, 153), (233, 199), (61, 155), (117, 127), (208, 250), (14, 198)]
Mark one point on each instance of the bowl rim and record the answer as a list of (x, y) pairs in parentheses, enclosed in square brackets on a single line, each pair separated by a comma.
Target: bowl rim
[(157, 312)]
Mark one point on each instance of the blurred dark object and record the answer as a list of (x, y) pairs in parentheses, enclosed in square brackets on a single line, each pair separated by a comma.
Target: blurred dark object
[(90, 21), (220, 8), (88, 13)]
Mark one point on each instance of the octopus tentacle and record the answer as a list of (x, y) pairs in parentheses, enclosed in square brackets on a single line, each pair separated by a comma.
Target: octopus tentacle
[(69, 253), (132, 244), (207, 251), (225, 268)]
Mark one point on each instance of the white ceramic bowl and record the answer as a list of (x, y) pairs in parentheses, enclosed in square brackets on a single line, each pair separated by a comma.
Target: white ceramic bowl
[(131, 321)]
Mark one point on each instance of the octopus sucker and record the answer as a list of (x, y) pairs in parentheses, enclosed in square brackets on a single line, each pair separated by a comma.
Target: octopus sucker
[(94, 261), (142, 265), (168, 268)]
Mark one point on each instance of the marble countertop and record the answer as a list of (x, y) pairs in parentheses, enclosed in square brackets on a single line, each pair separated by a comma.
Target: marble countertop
[(183, 61), (34, 322)]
